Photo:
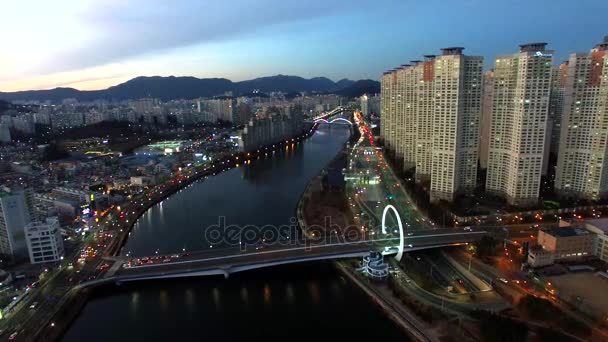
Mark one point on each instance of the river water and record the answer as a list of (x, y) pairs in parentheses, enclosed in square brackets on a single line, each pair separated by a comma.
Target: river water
[(295, 302)]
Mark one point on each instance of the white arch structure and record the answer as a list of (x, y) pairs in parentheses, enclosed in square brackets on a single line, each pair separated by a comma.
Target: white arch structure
[(401, 235), (334, 120)]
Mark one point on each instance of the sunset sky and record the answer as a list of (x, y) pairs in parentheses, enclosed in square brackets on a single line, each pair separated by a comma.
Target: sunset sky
[(93, 44)]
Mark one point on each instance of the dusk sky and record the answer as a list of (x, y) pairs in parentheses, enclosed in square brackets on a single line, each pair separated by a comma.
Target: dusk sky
[(93, 44)]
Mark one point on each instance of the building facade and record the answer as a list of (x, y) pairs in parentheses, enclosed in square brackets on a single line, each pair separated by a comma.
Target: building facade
[(272, 128), (556, 105), (566, 243), (458, 89), (16, 211), (599, 227), (430, 120), (582, 167), (485, 121), (522, 85), (44, 241)]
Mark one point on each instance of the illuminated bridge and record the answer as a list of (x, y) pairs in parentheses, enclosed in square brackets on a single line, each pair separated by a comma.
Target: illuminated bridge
[(336, 120), (325, 116), (236, 259)]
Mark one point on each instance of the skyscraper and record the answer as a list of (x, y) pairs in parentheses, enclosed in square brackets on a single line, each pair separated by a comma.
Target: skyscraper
[(522, 85), (486, 118), (424, 107), (556, 104), (430, 119), (582, 167), (405, 117), (388, 109), (457, 87)]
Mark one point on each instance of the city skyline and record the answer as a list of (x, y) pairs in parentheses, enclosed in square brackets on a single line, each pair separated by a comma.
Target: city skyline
[(93, 45)]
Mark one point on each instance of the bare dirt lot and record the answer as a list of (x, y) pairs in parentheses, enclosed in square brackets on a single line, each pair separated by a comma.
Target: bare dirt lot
[(585, 290)]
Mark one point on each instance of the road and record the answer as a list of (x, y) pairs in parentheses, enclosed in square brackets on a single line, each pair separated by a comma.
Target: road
[(234, 257)]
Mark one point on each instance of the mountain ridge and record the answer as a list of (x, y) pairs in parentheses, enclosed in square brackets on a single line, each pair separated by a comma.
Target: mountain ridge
[(189, 87)]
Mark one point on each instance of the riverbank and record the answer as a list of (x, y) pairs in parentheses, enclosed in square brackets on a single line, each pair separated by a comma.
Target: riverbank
[(65, 314), (389, 309)]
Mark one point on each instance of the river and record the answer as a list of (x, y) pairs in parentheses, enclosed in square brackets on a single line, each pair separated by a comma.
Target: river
[(296, 302)]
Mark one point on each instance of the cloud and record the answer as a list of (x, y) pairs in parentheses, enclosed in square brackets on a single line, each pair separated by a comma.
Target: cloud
[(120, 30)]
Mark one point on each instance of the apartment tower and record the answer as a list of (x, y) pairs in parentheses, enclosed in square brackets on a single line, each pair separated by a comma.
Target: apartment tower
[(457, 87), (582, 166), (522, 87)]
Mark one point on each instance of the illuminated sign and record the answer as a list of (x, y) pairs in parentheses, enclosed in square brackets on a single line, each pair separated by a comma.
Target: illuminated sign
[(541, 54), (92, 197), (86, 211)]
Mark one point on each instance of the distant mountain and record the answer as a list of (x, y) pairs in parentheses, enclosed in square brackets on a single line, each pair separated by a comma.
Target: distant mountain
[(170, 88), (344, 83), (285, 84), (359, 88)]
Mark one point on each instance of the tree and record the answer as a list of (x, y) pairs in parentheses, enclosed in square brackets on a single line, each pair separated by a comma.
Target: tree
[(54, 151), (486, 246), (496, 328)]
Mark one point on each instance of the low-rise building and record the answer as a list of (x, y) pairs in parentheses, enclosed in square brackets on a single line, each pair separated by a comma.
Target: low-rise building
[(44, 241), (599, 227), (539, 257), (566, 243)]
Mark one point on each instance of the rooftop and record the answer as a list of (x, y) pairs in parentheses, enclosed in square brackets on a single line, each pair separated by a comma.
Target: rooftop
[(532, 47), (601, 224), (566, 231)]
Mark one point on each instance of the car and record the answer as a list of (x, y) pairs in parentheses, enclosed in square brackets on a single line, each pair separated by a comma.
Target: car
[(460, 281), (410, 233), (503, 280), (12, 336), (34, 305), (410, 246)]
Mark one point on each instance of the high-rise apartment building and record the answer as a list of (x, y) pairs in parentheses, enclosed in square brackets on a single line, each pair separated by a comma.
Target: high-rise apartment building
[(369, 104), (405, 117), (486, 118), (457, 86), (222, 108), (430, 119), (5, 133), (388, 110), (556, 105), (16, 209), (582, 167), (424, 107), (522, 86)]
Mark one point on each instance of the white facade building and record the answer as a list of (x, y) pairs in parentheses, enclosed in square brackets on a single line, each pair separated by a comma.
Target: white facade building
[(430, 120), (44, 241), (522, 85), (458, 87)]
